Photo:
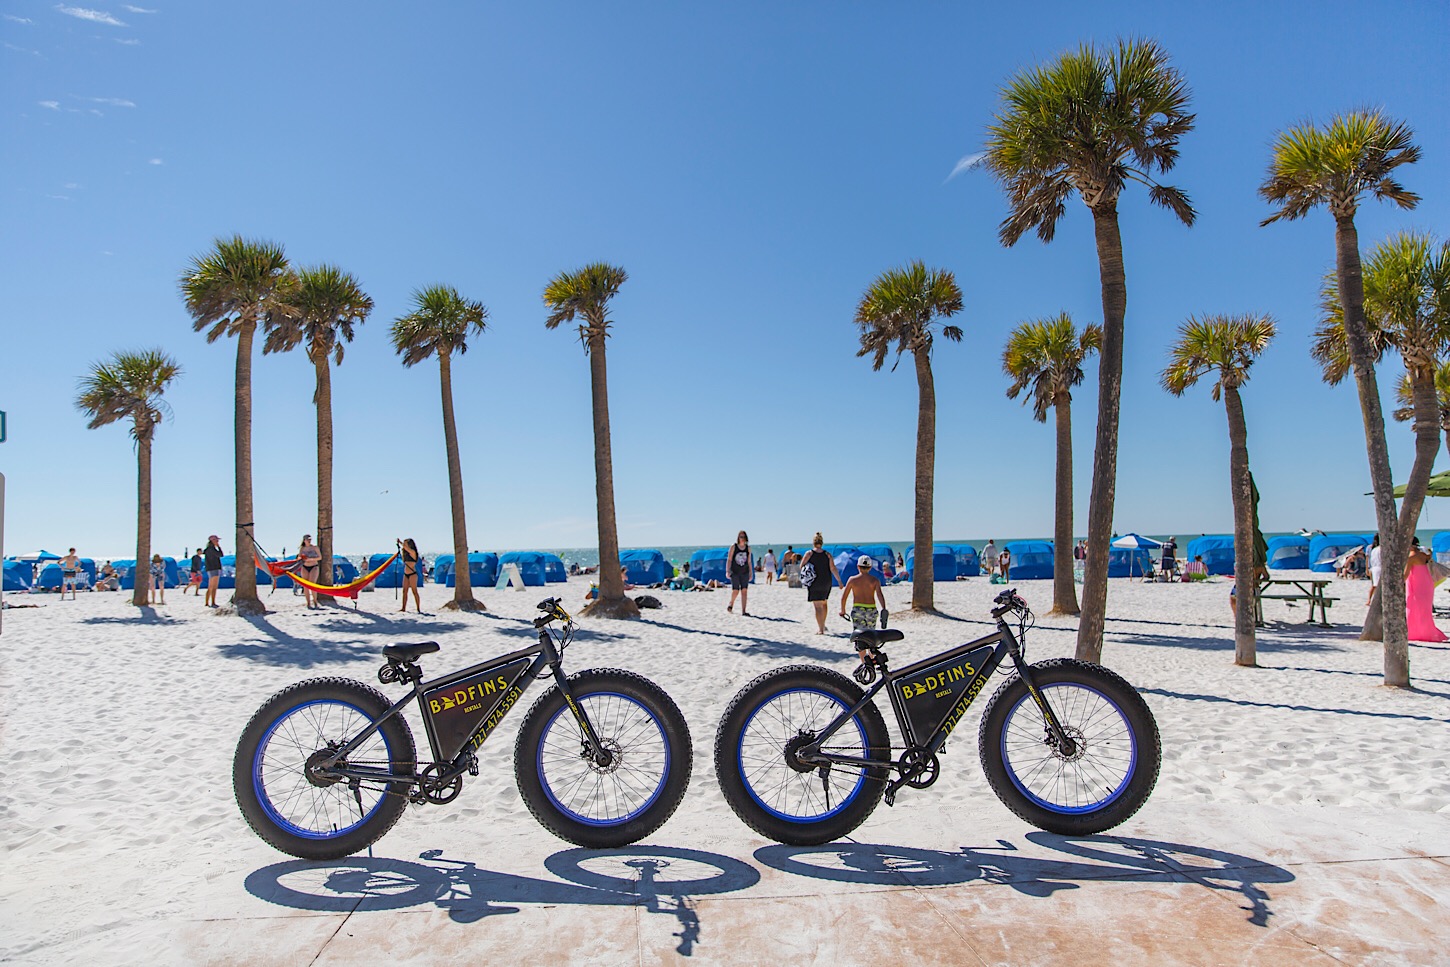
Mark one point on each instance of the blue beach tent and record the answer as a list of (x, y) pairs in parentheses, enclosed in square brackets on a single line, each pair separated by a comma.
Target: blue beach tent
[(1123, 562), (50, 575), (1439, 547), (943, 562), (343, 570), (530, 565), (1217, 551), (442, 564), (1324, 548), (127, 570), (1031, 560), (708, 564), (392, 576), (645, 567), (229, 573), (482, 570), (17, 576), (554, 570), (845, 556), (879, 552), (1289, 553), (969, 565)]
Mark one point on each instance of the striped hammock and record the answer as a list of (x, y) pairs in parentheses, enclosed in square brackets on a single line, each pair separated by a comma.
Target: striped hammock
[(279, 568)]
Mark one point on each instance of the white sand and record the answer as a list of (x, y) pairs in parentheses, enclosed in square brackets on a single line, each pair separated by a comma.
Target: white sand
[(121, 841)]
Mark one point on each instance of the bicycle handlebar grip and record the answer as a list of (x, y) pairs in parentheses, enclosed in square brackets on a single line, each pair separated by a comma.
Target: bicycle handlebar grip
[(548, 604)]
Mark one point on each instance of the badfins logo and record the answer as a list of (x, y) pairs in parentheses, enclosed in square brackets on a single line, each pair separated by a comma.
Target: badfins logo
[(447, 702), (917, 689)]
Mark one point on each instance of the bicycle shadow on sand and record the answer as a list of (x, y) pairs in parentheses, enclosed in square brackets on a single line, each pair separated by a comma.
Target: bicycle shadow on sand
[(658, 879), (1082, 859)]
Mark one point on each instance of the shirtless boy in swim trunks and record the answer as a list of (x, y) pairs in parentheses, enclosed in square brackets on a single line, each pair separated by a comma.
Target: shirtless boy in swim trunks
[(864, 591)]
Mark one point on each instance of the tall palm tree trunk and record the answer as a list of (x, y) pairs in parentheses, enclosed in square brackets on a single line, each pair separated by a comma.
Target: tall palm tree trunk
[(923, 573), (611, 602), (1393, 544), (142, 570), (1246, 583), (1064, 592), (463, 599), (1105, 450), (323, 399), (244, 597)]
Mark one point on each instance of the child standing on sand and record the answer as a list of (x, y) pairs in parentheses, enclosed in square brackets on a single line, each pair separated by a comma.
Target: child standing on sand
[(864, 591)]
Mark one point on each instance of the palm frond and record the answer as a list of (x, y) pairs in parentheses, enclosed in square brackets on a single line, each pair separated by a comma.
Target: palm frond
[(584, 294), (1221, 345), (1334, 165), (1047, 355), (240, 282), (900, 307), (441, 323), (130, 384)]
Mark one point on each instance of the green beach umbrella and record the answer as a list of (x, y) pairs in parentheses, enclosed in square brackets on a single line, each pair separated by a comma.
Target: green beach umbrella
[(1439, 486)]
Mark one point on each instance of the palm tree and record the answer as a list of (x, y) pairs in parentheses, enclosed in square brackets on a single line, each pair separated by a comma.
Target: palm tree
[(328, 304), (584, 295), (1089, 123), (440, 325), (900, 307), (130, 384), (233, 289), (1404, 395), (1333, 166), (1047, 355), (1407, 308), (1226, 346)]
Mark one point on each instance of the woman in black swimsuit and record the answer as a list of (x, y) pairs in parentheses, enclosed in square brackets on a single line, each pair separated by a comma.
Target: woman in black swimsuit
[(741, 569), (410, 574), (817, 569)]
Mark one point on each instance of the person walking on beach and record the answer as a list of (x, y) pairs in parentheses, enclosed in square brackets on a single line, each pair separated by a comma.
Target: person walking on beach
[(70, 569), (989, 557), (863, 591), (408, 551), (740, 568), (817, 569), (194, 581), (768, 562), (309, 565), (212, 558), (158, 579), (1168, 563), (1004, 565), (1374, 567)]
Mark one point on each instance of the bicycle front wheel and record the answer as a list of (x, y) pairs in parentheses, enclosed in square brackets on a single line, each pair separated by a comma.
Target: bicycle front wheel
[(1107, 775), (319, 818), (773, 791), (623, 796)]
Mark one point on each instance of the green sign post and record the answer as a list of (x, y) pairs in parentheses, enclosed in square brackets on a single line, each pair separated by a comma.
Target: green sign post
[(2, 426)]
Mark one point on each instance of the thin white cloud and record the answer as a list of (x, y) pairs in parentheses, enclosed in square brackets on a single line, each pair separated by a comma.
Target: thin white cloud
[(70, 186), (130, 9), (128, 41), (156, 161), (970, 161), (59, 197), (112, 101), (53, 105), (94, 16), (17, 20)]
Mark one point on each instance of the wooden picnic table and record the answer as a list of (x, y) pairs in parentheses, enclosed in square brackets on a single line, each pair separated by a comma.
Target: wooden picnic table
[(1305, 589)]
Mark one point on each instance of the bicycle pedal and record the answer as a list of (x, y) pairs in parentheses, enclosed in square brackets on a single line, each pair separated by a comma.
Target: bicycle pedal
[(472, 765)]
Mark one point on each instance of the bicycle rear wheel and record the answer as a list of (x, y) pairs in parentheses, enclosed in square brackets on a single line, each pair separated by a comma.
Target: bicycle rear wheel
[(1112, 768), (775, 793), (299, 813)]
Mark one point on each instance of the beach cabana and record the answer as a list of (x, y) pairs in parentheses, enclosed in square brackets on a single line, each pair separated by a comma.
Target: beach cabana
[(392, 576), (127, 570), (229, 573), (943, 562), (879, 552), (708, 564), (482, 570), (554, 570), (1290, 553), (442, 564), (969, 565), (1123, 562), (1325, 548), (645, 567), (530, 565), (1440, 547), (343, 570), (1031, 560), (1217, 551), (17, 576), (50, 575)]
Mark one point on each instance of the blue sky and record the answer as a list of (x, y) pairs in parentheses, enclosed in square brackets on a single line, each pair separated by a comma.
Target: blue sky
[(753, 166)]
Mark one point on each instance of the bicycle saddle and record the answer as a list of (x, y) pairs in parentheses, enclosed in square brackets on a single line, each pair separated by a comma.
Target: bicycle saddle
[(410, 652), (875, 639)]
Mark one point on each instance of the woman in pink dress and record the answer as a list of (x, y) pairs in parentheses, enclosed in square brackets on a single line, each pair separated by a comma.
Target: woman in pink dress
[(1419, 590)]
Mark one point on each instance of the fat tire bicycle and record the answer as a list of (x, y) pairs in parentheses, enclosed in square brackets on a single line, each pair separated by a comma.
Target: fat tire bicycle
[(327, 766), (803, 756)]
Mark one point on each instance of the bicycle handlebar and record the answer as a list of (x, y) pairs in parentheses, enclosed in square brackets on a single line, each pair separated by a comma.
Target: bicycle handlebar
[(1008, 600)]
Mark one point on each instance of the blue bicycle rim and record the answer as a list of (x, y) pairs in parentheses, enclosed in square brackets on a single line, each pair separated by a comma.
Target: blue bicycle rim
[(1059, 808), (846, 800), (633, 814)]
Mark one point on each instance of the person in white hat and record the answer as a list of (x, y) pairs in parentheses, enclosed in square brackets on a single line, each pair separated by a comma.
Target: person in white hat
[(864, 591)]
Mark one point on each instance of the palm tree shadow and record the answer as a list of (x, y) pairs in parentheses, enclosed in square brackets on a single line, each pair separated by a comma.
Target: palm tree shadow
[(144, 615), (1247, 703), (288, 650), (774, 648)]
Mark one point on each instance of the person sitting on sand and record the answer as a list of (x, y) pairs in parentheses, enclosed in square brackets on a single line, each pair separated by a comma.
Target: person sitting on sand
[(1195, 566), (624, 577), (864, 591), (682, 581)]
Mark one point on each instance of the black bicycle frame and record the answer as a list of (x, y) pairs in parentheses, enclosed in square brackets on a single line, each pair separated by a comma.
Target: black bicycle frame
[(957, 676), (521, 668)]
